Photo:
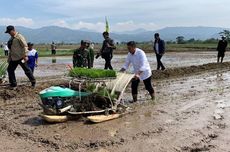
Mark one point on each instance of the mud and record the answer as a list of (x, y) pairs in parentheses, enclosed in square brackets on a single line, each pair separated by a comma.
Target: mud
[(171, 60), (190, 70), (181, 119)]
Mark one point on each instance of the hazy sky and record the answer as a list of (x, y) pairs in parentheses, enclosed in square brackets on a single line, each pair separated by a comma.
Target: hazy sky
[(123, 15)]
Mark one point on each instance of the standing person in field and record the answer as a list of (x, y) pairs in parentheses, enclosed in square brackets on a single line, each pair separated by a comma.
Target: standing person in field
[(6, 49), (107, 50), (159, 48), (53, 48), (142, 70), (17, 56), (221, 48), (90, 48), (32, 57), (81, 56)]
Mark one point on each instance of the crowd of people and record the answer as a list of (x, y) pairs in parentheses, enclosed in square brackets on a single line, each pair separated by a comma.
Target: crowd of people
[(21, 53)]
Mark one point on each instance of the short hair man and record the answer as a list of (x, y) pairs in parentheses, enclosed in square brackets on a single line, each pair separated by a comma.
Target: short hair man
[(142, 70), (17, 56), (107, 50), (32, 57), (221, 48), (159, 48)]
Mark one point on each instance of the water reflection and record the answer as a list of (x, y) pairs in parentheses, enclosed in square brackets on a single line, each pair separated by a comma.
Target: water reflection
[(54, 59)]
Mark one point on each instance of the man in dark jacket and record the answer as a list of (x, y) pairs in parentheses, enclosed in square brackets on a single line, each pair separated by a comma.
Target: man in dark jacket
[(221, 48), (107, 50), (159, 48)]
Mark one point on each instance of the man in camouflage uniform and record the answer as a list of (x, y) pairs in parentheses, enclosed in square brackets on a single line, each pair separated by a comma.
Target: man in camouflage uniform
[(90, 48), (81, 56)]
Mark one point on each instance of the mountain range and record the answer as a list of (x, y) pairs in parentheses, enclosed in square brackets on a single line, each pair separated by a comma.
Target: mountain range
[(61, 34)]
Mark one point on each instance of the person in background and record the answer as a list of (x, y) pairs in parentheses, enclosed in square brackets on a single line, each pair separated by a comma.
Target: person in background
[(90, 48), (142, 70), (17, 56), (221, 48), (81, 56), (107, 50), (6, 49), (53, 48), (159, 48), (32, 57)]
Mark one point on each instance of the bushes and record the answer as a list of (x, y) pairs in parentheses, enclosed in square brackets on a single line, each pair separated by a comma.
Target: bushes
[(92, 73)]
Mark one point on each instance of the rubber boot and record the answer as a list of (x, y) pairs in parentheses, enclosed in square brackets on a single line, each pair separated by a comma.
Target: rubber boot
[(134, 97), (152, 96)]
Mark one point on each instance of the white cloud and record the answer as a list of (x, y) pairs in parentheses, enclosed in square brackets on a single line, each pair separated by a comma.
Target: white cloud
[(100, 26), (22, 21), (131, 25)]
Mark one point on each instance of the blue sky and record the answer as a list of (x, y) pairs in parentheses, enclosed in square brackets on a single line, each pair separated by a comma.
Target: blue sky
[(123, 15)]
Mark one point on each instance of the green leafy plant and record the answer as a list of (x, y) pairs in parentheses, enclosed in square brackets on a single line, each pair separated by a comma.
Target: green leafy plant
[(92, 73), (101, 91), (3, 67)]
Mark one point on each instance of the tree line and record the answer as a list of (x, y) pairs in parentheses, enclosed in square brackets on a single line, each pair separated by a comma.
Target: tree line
[(182, 40)]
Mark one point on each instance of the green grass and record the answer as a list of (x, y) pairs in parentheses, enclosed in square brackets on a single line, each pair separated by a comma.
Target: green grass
[(44, 53), (67, 50)]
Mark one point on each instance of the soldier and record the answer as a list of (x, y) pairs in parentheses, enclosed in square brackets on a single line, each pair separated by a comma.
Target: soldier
[(90, 48), (81, 56)]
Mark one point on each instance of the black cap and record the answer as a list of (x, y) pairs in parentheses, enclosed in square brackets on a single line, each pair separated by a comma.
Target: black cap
[(30, 44), (83, 42), (9, 28), (105, 33)]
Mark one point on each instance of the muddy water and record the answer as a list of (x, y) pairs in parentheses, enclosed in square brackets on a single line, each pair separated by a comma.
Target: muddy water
[(181, 119), (50, 66)]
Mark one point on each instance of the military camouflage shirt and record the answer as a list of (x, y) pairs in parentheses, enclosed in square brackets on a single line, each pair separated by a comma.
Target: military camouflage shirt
[(81, 58)]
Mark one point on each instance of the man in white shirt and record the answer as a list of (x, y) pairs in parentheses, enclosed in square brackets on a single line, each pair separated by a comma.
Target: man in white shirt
[(6, 49), (142, 70)]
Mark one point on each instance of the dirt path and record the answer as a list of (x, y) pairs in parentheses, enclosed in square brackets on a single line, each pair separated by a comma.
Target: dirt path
[(181, 119)]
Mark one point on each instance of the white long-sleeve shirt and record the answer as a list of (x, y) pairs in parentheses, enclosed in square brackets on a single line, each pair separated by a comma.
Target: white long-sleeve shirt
[(139, 62)]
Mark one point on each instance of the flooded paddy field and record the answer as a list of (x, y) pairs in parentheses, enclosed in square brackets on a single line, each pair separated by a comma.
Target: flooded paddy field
[(190, 113)]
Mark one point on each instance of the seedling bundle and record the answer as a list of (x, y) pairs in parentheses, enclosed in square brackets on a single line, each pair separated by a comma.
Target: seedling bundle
[(92, 73)]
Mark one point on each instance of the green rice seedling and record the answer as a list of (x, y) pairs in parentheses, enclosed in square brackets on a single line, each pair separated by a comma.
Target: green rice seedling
[(92, 73)]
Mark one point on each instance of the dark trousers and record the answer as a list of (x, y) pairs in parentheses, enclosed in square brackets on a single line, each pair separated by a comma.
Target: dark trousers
[(11, 72), (108, 58), (108, 64), (159, 63), (6, 52), (32, 69), (220, 56), (147, 83), (53, 52)]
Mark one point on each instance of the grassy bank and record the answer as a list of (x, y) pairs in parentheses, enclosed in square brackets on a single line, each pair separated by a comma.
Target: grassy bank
[(67, 50)]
